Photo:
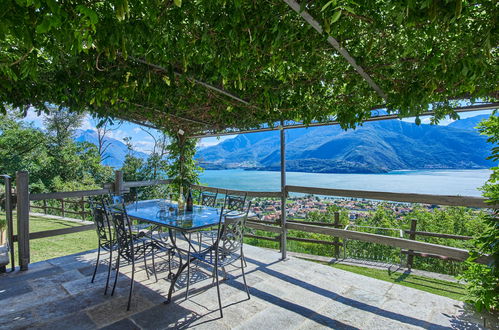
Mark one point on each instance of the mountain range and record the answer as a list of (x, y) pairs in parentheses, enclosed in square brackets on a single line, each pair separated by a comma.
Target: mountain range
[(115, 153), (375, 147)]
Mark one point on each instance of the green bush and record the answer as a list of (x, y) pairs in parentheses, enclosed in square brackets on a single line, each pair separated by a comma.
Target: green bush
[(483, 280)]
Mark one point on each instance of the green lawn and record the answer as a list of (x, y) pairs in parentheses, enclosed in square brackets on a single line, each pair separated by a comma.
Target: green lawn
[(443, 288), (57, 246)]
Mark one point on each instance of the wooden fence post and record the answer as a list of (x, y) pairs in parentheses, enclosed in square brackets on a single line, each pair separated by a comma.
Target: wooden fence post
[(45, 206), (118, 182), (412, 235), (22, 186), (336, 239)]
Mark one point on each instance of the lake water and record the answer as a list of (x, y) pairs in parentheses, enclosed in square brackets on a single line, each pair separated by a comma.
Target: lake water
[(437, 182)]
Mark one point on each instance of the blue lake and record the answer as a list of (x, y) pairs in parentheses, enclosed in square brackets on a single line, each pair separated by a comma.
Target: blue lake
[(437, 182)]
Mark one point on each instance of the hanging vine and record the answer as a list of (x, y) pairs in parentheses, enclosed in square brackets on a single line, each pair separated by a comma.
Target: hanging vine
[(170, 63), (183, 169)]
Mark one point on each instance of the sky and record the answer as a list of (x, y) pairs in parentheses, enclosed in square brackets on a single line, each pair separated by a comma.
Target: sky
[(144, 142)]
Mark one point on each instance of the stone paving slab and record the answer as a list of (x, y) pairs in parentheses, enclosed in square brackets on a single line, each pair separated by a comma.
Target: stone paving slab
[(291, 294)]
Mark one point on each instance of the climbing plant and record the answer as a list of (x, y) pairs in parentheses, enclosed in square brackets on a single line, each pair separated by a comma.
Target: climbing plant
[(483, 280), (156, 62), (183, 169)]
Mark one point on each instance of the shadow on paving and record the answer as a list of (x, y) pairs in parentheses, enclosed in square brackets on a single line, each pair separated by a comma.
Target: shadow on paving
[(459, 322), (58, 295)]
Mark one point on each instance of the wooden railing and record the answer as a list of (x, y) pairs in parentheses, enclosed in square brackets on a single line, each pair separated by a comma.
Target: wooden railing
[(280, 228)]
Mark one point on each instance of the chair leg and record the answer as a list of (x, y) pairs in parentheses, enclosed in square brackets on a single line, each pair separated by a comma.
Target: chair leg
[(170, 255), (244, 277), (218, 289), (131, 286), (188, 269), (244, 259), (145, 262), (96, 264), (154, 267), (109, 268), (117, 273)]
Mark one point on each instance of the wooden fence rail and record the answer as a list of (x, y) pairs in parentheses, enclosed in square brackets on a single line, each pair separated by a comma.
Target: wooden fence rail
[(422, 247), (467, 201), (78, 207), (271, 194)]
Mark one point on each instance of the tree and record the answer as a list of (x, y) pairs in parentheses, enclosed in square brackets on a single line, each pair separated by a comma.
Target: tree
[(156, 162), (54, 161), (23, 147), (61, 125), (104, 127)]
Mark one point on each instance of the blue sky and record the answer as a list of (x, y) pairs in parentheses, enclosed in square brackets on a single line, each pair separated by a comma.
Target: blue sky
[(143, 142)]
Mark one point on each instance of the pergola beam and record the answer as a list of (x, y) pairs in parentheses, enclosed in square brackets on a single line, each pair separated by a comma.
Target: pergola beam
[(343, 52), (478, 107), (199, 82)]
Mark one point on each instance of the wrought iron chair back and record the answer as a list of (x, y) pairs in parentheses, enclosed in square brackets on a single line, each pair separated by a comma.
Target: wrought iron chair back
[(235, 202), (208, 199), (124, 235), (232, 231), (102, 223)]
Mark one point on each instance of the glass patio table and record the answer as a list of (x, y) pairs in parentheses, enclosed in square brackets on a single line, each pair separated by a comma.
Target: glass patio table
[(157, 212), (164, 213)]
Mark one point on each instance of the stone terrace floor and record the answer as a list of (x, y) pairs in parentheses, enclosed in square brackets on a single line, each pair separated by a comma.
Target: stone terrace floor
[(291, 294)]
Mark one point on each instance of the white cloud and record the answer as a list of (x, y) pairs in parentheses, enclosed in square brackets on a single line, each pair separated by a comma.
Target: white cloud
[(213, 141), (144, 146), (87, 123), (119, 135), (204, 144), (446, 121)]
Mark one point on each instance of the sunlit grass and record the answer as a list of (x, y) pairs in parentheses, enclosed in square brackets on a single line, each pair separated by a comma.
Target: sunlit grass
[(56, 246), (440, 287)]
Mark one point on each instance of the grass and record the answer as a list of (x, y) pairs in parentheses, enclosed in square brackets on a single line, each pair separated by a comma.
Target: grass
[(56, 246), (448, 289)]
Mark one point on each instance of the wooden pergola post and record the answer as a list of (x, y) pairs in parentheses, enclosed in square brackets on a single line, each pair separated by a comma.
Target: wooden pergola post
[(22, 184), (118, 182), (283, 193)]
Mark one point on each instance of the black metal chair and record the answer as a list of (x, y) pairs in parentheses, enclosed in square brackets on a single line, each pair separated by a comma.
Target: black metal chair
[(208, 199), (105, 235), (132, 248), (227, 249), (231, 203), (138, 229), (235, 202)]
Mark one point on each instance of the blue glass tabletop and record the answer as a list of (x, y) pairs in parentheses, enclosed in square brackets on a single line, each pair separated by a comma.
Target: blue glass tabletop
[(165, 213)]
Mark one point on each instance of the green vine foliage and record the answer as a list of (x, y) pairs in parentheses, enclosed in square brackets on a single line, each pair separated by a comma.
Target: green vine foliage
[(483, 281), (89, 56), (183, 169)]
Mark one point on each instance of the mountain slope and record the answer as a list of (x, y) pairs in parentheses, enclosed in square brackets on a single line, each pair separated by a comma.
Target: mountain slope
[(115, 153), (468, 123), (373, 148)]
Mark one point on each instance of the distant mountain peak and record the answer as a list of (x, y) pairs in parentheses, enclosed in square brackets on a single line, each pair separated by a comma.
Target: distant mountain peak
[(372, 148), (115, 153)]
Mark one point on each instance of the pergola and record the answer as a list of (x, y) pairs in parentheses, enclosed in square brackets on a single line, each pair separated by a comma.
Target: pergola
[(211, 67), (222, 67)]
